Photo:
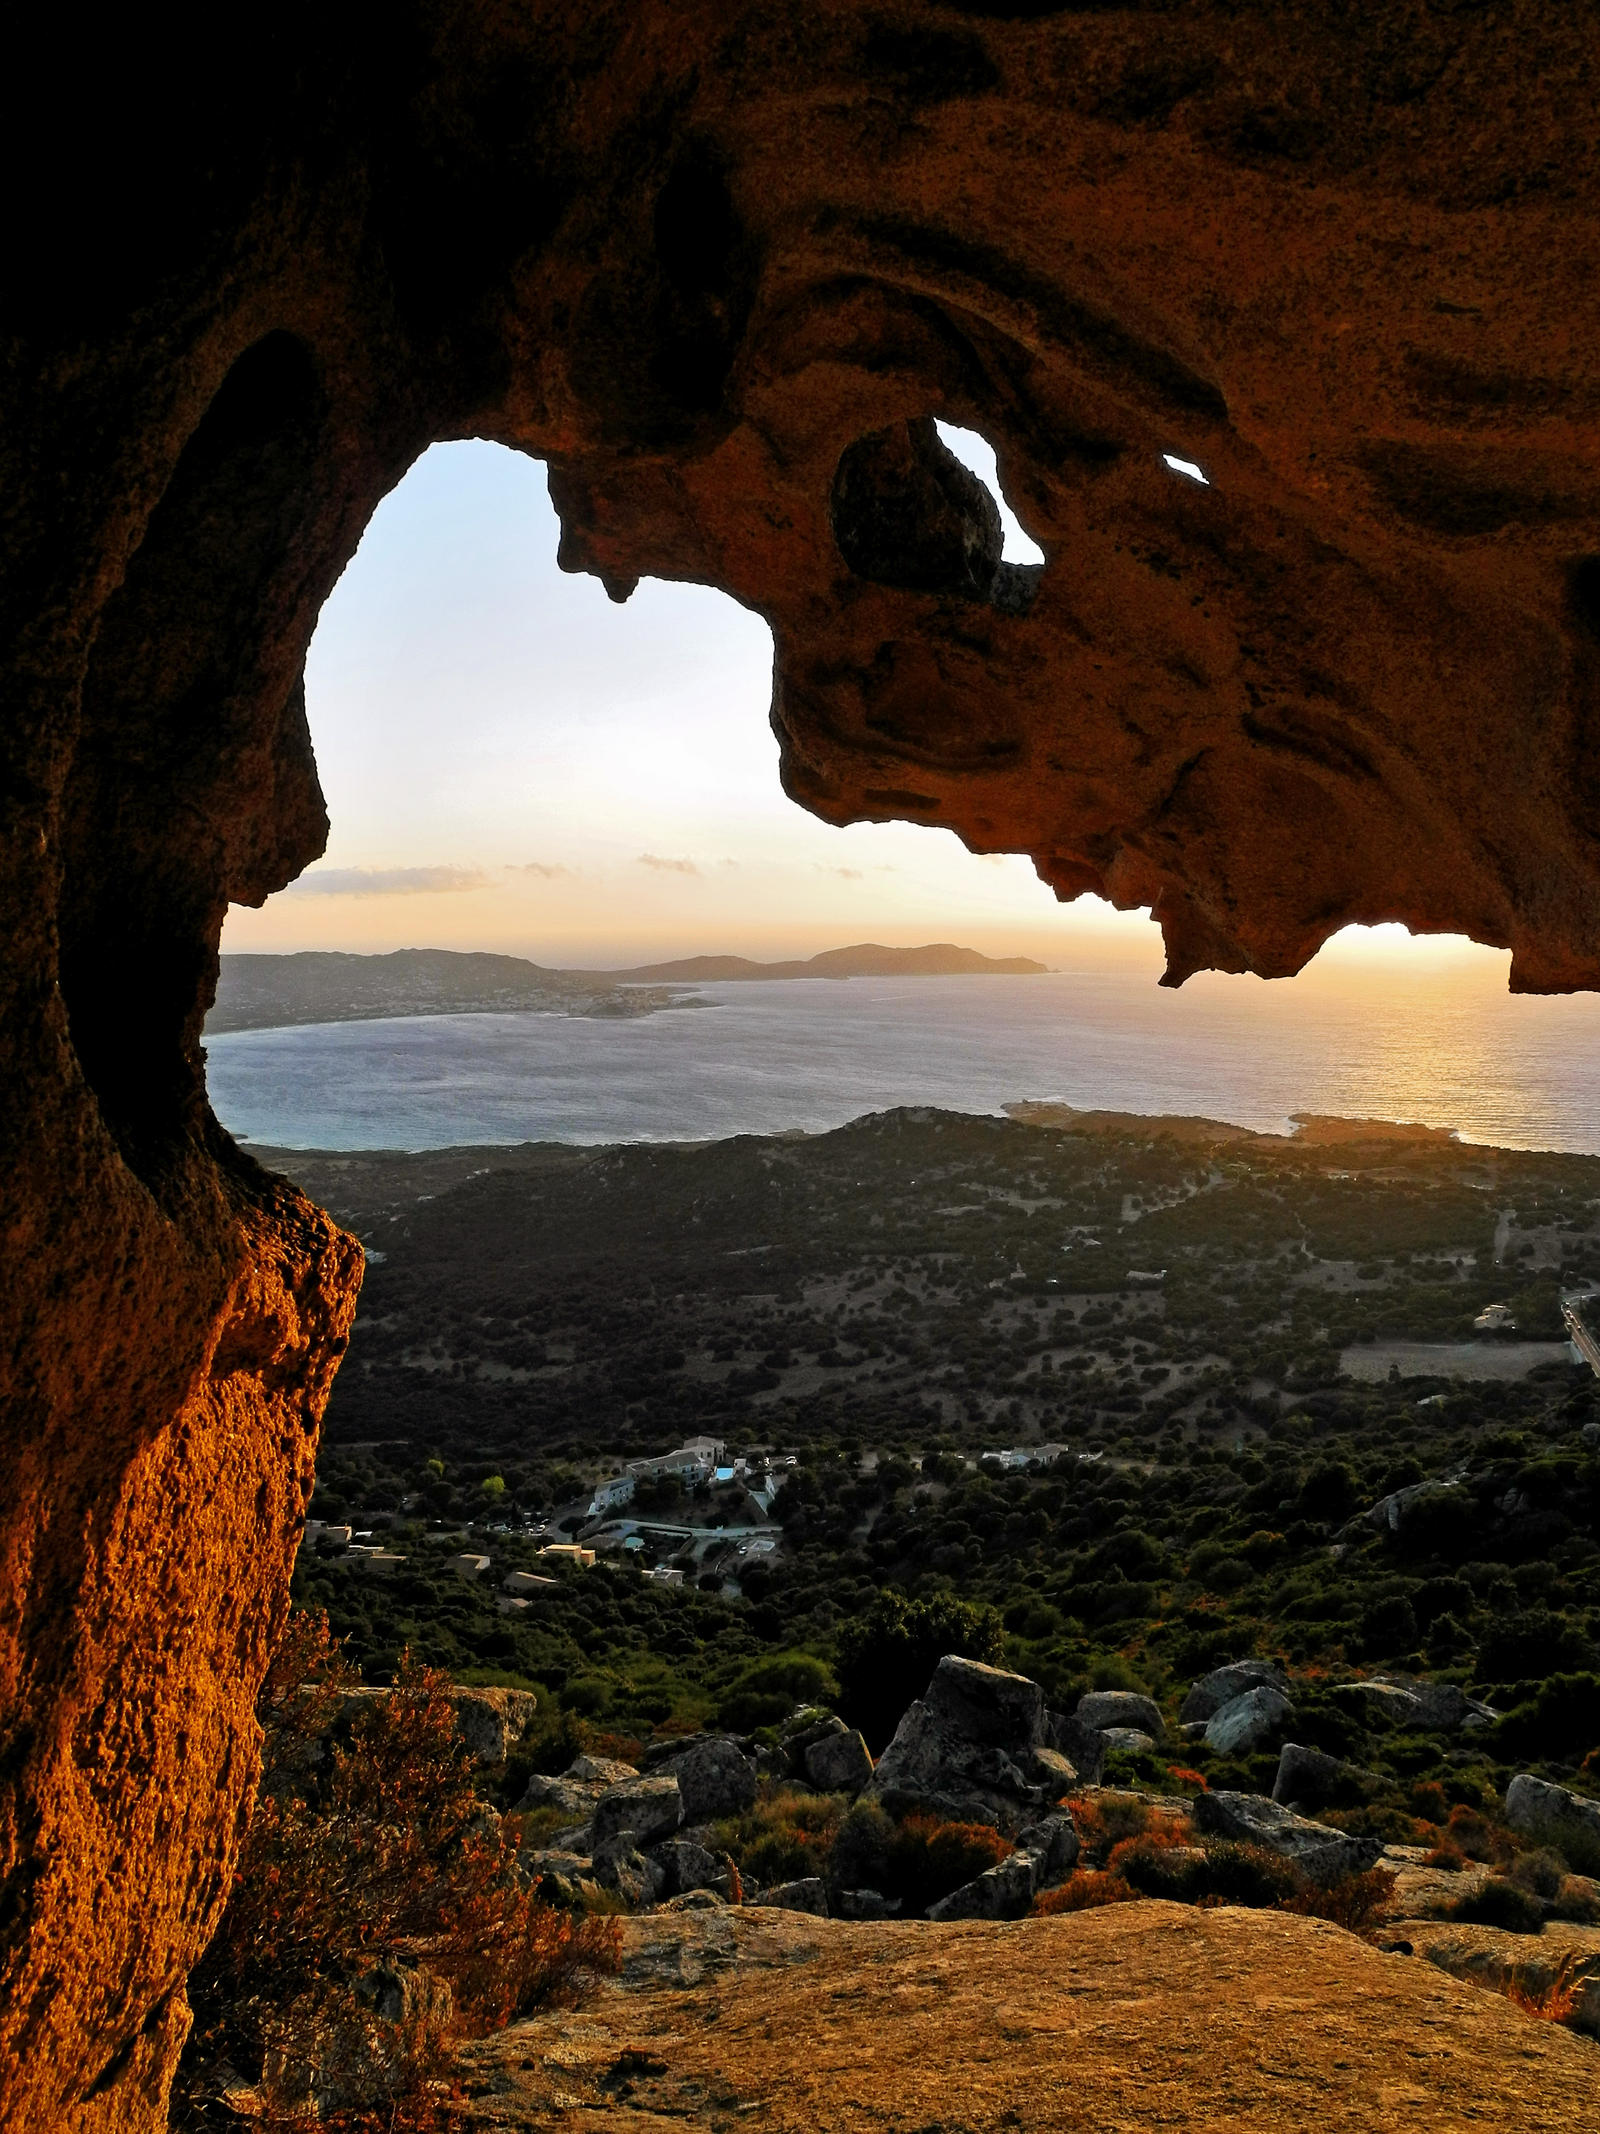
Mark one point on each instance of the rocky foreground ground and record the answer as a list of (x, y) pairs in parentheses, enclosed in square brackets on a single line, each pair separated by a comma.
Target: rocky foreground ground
[(1138, 2017)]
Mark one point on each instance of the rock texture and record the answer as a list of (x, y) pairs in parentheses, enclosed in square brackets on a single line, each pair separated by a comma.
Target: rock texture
[(721, 269), (1141, 2015)]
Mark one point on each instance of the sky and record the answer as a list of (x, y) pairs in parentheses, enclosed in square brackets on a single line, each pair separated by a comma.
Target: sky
[(514, 762)]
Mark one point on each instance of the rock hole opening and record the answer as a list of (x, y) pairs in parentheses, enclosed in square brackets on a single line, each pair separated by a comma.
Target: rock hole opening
[(908, 511)]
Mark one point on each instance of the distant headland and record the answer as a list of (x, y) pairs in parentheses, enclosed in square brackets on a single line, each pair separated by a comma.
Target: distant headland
[(326, 986), (940, 959)]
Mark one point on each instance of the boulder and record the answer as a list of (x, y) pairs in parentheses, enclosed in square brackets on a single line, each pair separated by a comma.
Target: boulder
[(601, 1771), (619, 1866), (647, 1808), (1052, 1844), (1248, 1721), (1314, 1775), (687, 1866), (932, 1766), (492, 1721), (1083, 1746), (1005, 1891), (865, 1904), (1223, 1684), (1126, 1738), (1103, 1709), (1057, 1774), (1251, 1819), (1555, 1815), (839, 1763), (986, 1704), (714, 1778), (564, 1794), (808, 1894), (694, 1900), (1418, 1704)]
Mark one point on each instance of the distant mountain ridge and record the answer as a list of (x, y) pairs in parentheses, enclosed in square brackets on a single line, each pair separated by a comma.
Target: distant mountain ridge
[(331, 986), (326, 986), (867, 959)]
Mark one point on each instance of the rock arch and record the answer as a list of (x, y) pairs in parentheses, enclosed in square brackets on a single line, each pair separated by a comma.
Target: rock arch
[(694, 258)]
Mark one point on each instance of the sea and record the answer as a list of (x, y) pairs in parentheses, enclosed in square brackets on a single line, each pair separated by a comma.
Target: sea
[(760, 1058)]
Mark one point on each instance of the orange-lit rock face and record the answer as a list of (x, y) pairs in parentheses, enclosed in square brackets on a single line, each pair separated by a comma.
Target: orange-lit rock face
[(720, 266)]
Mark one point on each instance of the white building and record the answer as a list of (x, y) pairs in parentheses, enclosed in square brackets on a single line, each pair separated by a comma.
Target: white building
[(609, 1496), (1495, 1319)]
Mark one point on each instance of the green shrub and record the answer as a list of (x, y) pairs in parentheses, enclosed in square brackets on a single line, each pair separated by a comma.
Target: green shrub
[(887, 1655), (928, 1858), (1499, 1904), (1562, 1720), (1249, 1875)]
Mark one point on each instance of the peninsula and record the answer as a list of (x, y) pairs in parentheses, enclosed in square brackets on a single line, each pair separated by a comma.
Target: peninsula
[(261, 992)]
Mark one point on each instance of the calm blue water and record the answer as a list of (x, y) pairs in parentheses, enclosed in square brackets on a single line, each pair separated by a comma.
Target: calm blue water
[(815, 1053)]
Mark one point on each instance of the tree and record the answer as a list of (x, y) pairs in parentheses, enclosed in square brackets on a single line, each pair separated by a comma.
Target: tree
[(888, 1654)]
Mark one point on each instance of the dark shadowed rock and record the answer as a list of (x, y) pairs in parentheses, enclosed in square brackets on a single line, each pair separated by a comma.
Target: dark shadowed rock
[(839, 1763), (1223, 1684), (1317, 1850), (647, 1808), (986, 1704), (1005, 1891), (1310, 1775), (1557, 1816), (714, 1778), (1123, 1709), (1248, 1721), (809, 1893)]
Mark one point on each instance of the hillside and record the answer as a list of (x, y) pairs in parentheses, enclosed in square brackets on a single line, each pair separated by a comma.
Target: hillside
[(324, 986), (940, 959)]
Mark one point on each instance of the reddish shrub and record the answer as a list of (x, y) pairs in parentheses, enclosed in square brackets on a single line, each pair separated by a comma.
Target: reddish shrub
[(1356, 1902), (928, 1859), (369, 1850), (1084, 1890)]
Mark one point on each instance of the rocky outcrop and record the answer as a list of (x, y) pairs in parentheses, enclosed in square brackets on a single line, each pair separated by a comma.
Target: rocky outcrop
[(1315, 1848), (976, 1747), (721, 270), (1224, 1685), (1247, 1722), (1555, 1815), (1139, 2015)]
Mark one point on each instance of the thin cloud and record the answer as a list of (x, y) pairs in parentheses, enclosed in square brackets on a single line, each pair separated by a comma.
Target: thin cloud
[(390, 881), (540, 868), (665, 866), (845, 874)]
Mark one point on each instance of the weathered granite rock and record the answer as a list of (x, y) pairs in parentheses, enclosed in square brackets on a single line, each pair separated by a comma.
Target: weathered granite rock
[(986, 1704), (492, 1721), (1247, 1721), (1491, 1957), (1084, 1747), (647, 1808), (714, 1778), (1054, 1773), (809, 1893), (1052, 1844), (1557, 1816), (865, 1904), (930, 1765), (839, 1763), (1416, 1702), (1224, 1684), (1004, 1891), (1128, 1738), (1104, 1709), (1251, 1819), (602, 1771), (723, 277), (629, 1873), (1311, 1775), (687, 1866)]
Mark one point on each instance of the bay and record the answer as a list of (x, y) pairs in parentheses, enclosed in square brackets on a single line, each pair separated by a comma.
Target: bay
[(812, 1054)]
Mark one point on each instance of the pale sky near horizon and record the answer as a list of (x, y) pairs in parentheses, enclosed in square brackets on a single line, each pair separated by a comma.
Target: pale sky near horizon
[(513, 762)]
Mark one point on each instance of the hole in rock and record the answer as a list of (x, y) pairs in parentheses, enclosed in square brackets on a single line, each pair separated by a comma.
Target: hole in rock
[(1190, 469), (908, 511), (514, 764), (977, 455)]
